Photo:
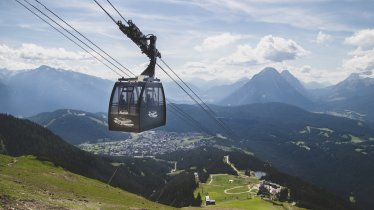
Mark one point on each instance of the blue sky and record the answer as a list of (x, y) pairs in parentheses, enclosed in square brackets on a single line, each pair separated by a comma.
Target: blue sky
[(318, 40)]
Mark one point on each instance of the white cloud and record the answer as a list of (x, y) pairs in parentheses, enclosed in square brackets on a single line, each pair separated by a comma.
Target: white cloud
[(244, 54), (291, 12), (322, 37), (359, 61), (36, 52), (247, 61), (306, 69), (29, 56), (278, 49), (195, 65), (363, 38), (214, 42), (269, 49)]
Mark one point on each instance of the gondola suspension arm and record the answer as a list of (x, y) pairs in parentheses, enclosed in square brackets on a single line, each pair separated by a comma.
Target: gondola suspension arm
[(147, 44)]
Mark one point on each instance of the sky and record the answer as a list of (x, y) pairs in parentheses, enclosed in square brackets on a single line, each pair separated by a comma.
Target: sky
[(219, 40)]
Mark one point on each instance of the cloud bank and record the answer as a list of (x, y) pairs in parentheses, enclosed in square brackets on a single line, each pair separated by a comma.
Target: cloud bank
[(322, 37), (214, 42), (31, 56), (363, 38), (269, 49), (360, 60)]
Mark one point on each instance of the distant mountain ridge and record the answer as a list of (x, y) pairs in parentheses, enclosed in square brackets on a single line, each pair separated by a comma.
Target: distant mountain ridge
[(78, 127), (354, 94), (267, 86), (47, 89), (294, 82), (218, 92), (22, 137)]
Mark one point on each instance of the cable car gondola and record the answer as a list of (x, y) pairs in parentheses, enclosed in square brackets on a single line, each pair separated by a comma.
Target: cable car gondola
[(138, 104)]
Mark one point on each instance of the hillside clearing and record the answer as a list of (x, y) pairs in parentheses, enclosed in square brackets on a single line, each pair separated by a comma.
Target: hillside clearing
[(237, 192)]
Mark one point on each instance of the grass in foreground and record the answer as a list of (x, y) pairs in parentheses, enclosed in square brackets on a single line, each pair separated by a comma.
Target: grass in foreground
[(29, 183)]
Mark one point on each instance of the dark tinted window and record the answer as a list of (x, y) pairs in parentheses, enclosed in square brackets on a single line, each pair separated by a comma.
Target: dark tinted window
[(128, 95), (160, 96), (153, 96)]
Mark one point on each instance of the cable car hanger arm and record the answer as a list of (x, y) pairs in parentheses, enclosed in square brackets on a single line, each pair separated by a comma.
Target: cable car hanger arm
[(147, 44), (134, 33)]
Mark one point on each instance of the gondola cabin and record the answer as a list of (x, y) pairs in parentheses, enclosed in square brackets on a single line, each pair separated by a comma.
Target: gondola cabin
[(137, 105)]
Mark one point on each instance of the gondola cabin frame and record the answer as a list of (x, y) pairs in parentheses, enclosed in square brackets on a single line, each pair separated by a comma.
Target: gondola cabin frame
[(137, 105)]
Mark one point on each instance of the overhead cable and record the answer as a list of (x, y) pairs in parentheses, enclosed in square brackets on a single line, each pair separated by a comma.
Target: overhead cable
[(85, 38), (201, 104), (68, 37), (75, 36), (175, 108)]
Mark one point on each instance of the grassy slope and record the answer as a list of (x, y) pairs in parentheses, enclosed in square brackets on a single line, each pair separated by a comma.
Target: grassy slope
[(26, 182), (29, 183)]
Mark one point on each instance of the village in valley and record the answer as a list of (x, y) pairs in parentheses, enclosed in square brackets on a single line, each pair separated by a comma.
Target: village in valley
[(150, 143)]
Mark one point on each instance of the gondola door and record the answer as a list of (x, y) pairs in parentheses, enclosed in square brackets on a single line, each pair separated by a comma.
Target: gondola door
[(124, 107), (153, 108)]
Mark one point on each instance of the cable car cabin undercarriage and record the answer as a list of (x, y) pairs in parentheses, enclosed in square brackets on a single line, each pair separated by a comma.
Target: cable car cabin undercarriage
[(138, 104)]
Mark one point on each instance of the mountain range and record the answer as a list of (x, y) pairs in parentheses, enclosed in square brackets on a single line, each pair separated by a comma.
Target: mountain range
[(355, 94), (78, 127), (45, 89), (269, 86)]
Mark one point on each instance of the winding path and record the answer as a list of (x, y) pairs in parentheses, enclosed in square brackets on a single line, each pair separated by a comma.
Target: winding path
[(226, 191), (211, 180), (13, 162)]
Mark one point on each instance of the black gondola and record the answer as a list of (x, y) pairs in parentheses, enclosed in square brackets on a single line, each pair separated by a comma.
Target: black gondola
[(138, 104)]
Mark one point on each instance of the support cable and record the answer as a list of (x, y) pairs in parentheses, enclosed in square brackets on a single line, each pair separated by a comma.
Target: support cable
[(116, 11), (106, 12), (198, 97), (206, 108), (193, 122), (176, 108), (67, 37), (74, 36), (193, 98), (85, 37), (172, 105)]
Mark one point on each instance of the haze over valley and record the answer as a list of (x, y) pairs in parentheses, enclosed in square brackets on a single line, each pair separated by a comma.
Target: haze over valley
[(169, 104)]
